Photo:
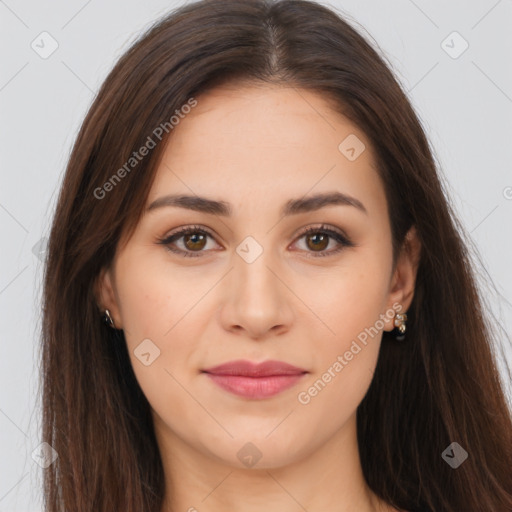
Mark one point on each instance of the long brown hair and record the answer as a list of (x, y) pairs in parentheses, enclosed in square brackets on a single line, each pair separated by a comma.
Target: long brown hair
[(438, 387)]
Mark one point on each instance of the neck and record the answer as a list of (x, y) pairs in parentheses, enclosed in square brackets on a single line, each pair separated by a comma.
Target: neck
[(329, 477)]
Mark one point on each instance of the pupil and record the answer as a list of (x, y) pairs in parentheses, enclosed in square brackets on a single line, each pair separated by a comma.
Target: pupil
[(318, 243), (194, 239)]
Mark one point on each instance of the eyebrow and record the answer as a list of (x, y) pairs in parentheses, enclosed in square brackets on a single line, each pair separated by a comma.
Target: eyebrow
[(291, 207)]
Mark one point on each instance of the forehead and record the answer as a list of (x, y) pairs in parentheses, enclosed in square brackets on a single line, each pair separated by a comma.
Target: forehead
[(269, 143)]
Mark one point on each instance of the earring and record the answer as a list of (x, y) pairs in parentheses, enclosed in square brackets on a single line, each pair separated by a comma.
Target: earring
[(400, 319), (107, 318)]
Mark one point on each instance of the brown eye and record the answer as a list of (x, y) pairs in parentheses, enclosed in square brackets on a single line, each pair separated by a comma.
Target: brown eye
[(195, 241), (188, 241), (317, 241)]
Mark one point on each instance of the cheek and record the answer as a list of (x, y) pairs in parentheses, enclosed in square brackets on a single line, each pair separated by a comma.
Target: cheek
[(156, 296), (351, 302), (156, 305), (350, 298)]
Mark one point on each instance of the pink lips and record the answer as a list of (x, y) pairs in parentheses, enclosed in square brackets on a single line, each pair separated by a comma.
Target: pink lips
[(256, 381)]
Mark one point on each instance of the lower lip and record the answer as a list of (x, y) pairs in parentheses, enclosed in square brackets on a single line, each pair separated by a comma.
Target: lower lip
[(255, 387)]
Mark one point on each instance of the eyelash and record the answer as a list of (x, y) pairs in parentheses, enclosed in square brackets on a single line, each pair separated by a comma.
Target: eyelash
[(323, 229)]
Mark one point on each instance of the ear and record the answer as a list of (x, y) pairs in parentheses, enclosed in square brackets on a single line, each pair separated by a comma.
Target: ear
[(403, 281), (106, 296)]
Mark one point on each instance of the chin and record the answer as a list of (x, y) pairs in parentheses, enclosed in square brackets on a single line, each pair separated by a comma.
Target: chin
[(254, 451)]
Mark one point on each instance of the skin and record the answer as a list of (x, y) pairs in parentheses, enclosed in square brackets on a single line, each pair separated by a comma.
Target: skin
[(257, 147)]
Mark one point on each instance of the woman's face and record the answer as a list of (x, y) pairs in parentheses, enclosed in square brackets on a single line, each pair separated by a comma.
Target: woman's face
[(250, 285)]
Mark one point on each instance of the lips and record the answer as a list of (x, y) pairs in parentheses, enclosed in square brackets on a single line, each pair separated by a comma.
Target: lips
[(253, 380), (248, 369)]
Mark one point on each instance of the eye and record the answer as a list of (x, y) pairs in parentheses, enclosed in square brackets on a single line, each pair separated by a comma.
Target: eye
[(317, 240), (195, 240)]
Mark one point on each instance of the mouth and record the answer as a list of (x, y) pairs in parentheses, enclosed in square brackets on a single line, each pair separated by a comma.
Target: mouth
[(255, 381)]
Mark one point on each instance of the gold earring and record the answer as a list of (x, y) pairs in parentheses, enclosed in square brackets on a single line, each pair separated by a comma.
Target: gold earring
[(107, 318), (400, 319)]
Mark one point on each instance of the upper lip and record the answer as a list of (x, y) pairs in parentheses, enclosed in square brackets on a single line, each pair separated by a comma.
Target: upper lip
[(250, 369)]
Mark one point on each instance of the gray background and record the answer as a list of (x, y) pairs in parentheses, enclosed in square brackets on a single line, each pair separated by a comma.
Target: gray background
[(465, 104)]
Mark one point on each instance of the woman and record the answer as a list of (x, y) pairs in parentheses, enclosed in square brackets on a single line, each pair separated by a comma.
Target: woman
[(290, 315)]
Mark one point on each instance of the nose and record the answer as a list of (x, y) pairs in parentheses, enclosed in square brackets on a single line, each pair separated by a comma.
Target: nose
[(256, 299)]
